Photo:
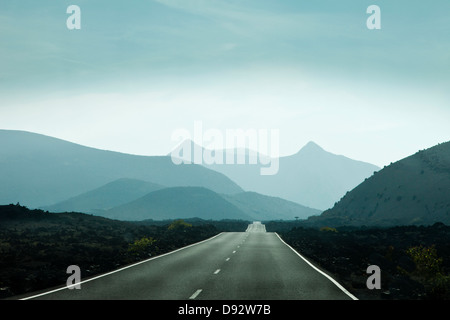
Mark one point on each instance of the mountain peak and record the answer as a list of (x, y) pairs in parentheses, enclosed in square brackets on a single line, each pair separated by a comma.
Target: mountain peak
[(311, 146)]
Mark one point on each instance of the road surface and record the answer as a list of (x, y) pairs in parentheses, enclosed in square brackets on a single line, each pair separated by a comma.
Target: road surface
[(251, 265)]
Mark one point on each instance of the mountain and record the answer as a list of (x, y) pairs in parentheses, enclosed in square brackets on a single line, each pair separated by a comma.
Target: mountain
[(122, 191), (113, 194), (412, 191), (177, 203), (312, 177), (261, 207), (38, 170)]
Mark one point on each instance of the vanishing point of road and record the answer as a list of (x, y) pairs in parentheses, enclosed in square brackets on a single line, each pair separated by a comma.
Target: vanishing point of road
[(251, 265)]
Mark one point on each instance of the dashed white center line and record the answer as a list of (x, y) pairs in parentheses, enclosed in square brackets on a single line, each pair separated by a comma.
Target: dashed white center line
[(217, 271), (227, 259), (234, 251), (196, 293)]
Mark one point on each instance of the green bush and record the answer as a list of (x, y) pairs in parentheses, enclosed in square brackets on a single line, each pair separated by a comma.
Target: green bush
[(179, 224), (328, 229), (429, 271), (141, 246), (427, 262)]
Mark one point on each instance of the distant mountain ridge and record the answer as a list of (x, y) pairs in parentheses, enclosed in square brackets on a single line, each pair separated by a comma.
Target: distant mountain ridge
[(262, 207), (38, 170), (44, 172), (412, 191), (123, 192), (312, 177)]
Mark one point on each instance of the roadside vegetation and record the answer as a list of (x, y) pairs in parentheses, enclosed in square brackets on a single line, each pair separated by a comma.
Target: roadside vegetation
[(414, 260), (36, 247)]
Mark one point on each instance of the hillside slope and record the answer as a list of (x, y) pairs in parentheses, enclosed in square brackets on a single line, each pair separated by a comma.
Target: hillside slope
[(106, 197), (39, 171), (177, 203), (261, 207), (122, 191), (412, 191)]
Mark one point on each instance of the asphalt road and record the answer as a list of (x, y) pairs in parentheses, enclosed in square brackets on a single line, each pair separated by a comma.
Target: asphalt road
[(251, 265)]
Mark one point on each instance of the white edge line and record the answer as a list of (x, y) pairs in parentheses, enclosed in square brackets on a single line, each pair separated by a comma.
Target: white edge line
[(121, 269), (320, 271)]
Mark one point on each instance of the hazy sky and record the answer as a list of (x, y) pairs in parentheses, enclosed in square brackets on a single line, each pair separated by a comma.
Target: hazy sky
[(137, 71)]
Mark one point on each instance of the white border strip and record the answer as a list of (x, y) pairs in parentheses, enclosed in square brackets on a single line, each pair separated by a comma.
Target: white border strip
[(121, 269), (320, 271)]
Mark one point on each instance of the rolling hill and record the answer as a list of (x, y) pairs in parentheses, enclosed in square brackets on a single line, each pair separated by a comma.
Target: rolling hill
[(412, 191), (261, 207), (123, 191), (111, 195), (38, 170), (177, 203)]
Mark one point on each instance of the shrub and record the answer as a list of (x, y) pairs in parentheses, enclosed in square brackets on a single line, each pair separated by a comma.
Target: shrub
[(429, 271), (141, 246), (328, 229), (427, 262), (179, 224)]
